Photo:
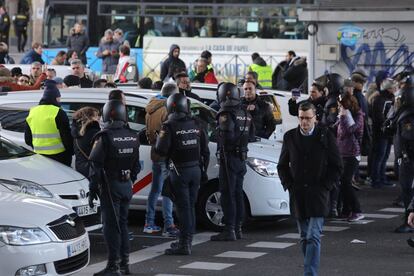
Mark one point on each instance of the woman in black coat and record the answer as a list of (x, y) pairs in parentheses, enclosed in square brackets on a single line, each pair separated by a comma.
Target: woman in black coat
[(84, 127)]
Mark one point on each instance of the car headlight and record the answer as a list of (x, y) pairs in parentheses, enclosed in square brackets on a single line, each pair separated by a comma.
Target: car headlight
[(22, 236), (263, 167), (26, 187)]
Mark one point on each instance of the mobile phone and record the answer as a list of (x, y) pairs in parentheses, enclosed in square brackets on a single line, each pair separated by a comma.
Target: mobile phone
[(296, 92)]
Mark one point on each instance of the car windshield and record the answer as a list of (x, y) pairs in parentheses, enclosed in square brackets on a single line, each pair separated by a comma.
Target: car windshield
[(9, 150), (207, 116)]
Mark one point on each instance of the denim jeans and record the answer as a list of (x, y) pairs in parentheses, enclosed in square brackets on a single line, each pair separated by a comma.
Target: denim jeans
[(159, 174), (381, 151), (310, 241)]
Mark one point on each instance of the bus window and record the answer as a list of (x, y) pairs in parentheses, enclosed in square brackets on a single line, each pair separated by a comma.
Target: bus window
[(60, 20)]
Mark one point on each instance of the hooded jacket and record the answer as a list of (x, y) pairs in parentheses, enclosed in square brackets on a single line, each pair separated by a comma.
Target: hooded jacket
[(156, 114), (297, 73), (83, 144), (349, 135), (78, 42), (171, 64)]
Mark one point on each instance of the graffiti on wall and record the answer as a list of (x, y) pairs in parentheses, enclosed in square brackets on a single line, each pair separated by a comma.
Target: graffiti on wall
[(383, 48)]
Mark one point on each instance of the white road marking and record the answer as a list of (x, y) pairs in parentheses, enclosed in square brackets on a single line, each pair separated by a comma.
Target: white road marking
[(289, 236), (329, 228), (207, 265), (240, 254), (278, 245), (361, 221), (379, 216), (145, 254), (393, 210)]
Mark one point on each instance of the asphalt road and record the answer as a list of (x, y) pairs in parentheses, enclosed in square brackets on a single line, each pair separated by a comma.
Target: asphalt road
[(271, 247)]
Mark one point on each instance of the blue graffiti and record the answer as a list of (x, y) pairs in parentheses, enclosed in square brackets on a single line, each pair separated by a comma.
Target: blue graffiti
[(377, 57)]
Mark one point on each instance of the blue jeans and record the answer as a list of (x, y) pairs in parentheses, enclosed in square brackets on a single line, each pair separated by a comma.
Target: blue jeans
[(380, 153), (310, 241), (159, 174)]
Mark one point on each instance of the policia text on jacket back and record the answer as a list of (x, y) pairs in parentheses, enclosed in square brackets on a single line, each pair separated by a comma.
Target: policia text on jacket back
[(114, 167), (184, 142), (235, 129)]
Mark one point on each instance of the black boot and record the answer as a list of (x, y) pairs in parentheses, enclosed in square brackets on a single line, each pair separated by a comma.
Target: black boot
[(227, 235), (111, 269), (183, 247), (238, 231), (124, 267), (410, 242), (177, 243)]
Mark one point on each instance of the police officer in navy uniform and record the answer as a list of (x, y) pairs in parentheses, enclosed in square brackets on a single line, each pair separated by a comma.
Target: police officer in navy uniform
[(404, 150), (20, 21), (184, 142), (235, 130), (114, 167), (4, 25)]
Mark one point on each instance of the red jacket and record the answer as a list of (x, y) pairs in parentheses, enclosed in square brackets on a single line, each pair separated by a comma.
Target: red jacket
[(8, 82)]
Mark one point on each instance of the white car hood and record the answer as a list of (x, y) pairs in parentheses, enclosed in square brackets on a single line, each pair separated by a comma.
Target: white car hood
[(265, 149), (38, 169), (22, 210)]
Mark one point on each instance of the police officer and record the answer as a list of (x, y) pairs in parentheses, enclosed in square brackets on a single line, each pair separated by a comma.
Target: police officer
[(184, 142), (20, 21), (405, 151), (235, 129), (114, 167), (4, 25)]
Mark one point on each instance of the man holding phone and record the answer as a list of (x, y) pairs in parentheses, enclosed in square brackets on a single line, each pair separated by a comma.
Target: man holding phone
[(316, 97)]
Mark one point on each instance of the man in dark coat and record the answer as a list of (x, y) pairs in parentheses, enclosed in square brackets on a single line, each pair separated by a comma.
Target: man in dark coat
[(78, 41), (296, 73), (309, 165), (172, 64), (108, 51)]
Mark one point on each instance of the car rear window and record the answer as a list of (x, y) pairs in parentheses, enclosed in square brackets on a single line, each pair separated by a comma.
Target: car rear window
[(13, 119)]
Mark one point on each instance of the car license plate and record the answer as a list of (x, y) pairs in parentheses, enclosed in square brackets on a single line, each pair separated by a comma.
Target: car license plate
[(85, 210), (77, 247)]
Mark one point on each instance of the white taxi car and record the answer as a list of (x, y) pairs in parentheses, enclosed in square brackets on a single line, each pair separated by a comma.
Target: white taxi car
[(23, 171), (263, 191), (40, 237)]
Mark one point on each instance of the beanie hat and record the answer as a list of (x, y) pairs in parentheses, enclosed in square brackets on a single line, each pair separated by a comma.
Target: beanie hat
[(16, 71), (51, 92), (71, 80), (359, 75), (380, 77)]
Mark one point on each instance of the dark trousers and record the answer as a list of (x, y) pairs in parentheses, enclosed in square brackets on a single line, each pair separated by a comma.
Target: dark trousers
[(349, 197), (381, 152), (21, 34), (185, 186), (117, 242), (406, 177), (231, 187)]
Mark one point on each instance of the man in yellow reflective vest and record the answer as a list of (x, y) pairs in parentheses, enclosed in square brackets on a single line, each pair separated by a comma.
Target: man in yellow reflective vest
[(264, 71), (47, 130)]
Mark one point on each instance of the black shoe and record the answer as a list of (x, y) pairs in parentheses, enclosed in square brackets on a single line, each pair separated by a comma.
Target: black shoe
[(124, 268), (404, 228), (226, 235), (109, 270), (238, 231), (180, 249), (410, 242)]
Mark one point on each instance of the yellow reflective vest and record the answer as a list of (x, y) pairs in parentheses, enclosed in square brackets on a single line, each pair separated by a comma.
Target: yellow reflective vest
[(264, 74), (45, 134)]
